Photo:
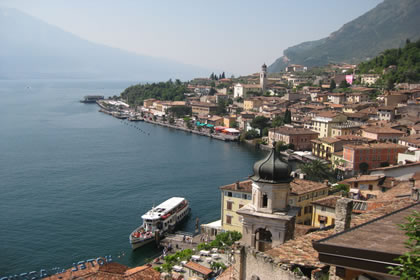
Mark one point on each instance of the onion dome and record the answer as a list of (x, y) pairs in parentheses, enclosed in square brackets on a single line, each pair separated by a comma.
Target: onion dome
[(272, 170)]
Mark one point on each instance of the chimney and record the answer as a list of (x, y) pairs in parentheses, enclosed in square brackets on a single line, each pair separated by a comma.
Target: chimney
[(415, 192), (343, 210), (237, 185)]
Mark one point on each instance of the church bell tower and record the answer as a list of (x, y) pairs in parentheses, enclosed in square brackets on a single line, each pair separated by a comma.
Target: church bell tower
[(263, 77), (269, 220)]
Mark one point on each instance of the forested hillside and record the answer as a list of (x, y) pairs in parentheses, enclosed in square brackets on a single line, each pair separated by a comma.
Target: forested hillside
[(172, 91), (386, 26), (406, 60)]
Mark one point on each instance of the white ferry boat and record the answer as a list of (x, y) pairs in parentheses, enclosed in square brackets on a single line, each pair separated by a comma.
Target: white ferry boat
[(159, 220)]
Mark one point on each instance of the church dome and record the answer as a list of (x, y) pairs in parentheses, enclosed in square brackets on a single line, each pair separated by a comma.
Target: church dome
[(272, 170)]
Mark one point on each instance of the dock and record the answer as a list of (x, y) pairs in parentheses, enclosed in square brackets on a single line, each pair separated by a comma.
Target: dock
[(183, 240)]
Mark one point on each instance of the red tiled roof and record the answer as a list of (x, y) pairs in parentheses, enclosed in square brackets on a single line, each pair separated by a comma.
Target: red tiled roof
[(299, 186), (285, 130), (300, 250), (244, 186), (382, 130), (109, 271), (198, 268)]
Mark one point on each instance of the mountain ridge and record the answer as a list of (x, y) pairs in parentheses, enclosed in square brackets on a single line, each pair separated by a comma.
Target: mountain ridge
[(386, 26), (32, 48)]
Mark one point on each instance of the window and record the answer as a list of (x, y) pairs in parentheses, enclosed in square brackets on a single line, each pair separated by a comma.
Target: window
[(370, 187), (229, 205), (228, 219), (332, 221), (229, 194), (244, 196), (322, 219), (237, 195), (264, 201)]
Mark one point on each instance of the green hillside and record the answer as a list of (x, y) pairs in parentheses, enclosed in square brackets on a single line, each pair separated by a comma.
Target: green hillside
[(406, 60), (386, 26)]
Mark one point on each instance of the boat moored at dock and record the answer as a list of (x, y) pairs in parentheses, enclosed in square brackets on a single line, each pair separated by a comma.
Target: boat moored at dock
[(158, 220)]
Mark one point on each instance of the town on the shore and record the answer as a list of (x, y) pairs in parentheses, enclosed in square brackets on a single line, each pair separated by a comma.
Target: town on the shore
[(342, 172)]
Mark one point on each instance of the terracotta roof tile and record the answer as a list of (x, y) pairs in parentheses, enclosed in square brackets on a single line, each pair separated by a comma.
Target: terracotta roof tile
[(198, 268), (299, 186), (285, 130), (244, 186), (300, 250)]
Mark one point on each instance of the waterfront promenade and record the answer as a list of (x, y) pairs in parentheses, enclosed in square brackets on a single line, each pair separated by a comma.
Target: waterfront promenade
[(148, 117)]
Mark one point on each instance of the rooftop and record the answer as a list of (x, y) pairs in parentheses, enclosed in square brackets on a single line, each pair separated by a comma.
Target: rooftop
[(299, 186), (374, 146), (243, 186), (292, 130), (382, 130), (109, 271), (396, 166), (198, 268), (301, 251), (380, 235), (328, 140)]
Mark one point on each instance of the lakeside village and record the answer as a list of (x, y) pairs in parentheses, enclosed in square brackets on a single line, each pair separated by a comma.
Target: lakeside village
[(353, 132)]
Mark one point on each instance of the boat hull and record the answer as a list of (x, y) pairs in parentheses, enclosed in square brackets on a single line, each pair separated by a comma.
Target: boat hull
[(140, 243)]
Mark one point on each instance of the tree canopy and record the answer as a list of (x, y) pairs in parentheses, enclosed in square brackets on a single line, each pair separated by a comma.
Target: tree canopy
[(406, 61), (317, 170), (170, 91), (410, 261), (260, 122)]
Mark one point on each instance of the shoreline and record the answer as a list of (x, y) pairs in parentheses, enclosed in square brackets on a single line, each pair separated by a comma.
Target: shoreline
[(147, 118)]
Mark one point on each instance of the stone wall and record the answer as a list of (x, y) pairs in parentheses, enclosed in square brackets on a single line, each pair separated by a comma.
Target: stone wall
[(251, 264)]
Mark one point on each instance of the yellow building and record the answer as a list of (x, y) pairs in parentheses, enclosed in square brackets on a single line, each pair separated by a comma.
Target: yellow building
[(325, 147), (302, 194), (229, 121), (201, 108), (234, 197), (237, 195), (253, 104), (147, 103), (337, 160), (324, 211), (324, 121), (346, 128)]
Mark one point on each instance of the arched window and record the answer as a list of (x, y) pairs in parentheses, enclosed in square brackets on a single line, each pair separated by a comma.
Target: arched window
[(264, 200)]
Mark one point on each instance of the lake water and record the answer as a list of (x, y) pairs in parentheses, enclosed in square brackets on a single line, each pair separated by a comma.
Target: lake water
[(74, 182)]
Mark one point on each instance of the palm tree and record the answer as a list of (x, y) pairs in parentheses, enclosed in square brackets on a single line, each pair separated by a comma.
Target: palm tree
[(317, 170)]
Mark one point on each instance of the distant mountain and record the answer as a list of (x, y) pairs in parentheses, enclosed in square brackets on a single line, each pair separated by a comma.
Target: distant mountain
[(31, 48), (386, 26)]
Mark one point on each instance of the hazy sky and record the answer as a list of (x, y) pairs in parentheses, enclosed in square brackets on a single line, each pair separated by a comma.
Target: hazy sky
[(233, 36)]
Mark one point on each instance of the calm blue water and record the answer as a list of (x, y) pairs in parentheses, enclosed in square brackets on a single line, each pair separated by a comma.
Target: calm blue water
[(74, 182)]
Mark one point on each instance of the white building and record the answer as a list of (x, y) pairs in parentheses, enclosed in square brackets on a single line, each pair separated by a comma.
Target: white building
[(369, 79)]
